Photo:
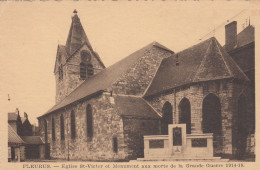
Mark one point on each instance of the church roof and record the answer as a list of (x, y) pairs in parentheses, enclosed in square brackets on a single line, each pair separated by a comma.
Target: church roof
[(132, 106), (33, 140), (77, 36), (203, 62), (246, 36), (13, 137), (105, 78), (12, 117)]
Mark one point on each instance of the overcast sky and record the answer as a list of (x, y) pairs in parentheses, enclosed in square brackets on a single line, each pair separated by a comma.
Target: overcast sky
[(31, 31)]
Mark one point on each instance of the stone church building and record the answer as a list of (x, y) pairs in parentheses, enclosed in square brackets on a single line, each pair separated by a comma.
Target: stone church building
[(102, 114)]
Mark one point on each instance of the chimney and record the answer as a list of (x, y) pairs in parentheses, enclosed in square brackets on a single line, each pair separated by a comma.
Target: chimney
[(231, 35)]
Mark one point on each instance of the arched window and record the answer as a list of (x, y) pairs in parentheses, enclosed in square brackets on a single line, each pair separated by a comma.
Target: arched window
[(72, 125), (85, 58), (90, 70), (53, 128), (212, 120), (115, 144), (45, 131), (185, 114), (166, 117), (60, 72), (61, 127), (89, 122), (83, 70), (240, 138)]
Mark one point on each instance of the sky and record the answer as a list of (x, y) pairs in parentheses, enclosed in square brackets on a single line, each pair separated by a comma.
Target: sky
[(31, 31)]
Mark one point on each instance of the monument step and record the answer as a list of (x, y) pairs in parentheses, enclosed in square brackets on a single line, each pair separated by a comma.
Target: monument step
[(208, 159)]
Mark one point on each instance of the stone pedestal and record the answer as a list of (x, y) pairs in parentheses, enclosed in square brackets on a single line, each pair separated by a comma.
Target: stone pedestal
[(177, 139)]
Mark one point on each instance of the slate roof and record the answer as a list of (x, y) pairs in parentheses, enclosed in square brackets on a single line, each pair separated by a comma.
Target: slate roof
[(12, 117), (32, 140), (77, 36), (202, 62), (104, 79), (246, 36), (13, 137), (132, 106)]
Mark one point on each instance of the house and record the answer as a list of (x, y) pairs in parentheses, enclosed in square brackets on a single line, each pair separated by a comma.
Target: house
[(102, 114), (21, 142), (15, 146), (34, 147)]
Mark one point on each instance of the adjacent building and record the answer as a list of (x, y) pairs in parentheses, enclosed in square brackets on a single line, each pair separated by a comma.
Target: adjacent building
[(22, 143)]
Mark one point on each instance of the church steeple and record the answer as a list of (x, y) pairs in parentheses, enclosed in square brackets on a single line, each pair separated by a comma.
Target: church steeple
[(76, 61), (77, 36)]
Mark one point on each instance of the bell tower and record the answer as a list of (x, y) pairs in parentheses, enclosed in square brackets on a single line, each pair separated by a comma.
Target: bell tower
[(76, 61)]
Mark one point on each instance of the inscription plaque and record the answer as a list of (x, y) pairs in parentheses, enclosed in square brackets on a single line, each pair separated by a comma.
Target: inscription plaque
[(157, 143), (177, 136), (199, 142)]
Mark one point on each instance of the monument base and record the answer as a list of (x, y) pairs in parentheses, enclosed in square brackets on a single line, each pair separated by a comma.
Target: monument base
[(179, 146)]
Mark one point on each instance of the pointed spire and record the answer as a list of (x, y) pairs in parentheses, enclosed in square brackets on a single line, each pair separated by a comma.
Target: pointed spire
[(75, 11), (77, 36)]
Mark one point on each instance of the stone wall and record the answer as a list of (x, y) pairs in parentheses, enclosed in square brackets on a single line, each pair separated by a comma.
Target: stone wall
[(71, 74), (106, 125), (134, 130), (195, 93), (138, 77)]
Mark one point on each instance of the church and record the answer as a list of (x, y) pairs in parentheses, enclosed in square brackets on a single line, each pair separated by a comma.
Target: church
[(102, 114)]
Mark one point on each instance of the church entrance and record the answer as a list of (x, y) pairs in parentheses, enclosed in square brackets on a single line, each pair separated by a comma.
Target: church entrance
[(185, 114), (212, 121), (242, 131), (166, 117)]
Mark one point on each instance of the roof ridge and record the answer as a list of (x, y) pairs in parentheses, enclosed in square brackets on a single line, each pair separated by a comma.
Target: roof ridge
[(192, 46), (15, 133), (236, 65), (151, 107), (202, 62), (159, 45), (231, 74)]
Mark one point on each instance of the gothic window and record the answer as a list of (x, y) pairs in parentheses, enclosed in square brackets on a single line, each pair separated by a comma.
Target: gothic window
[(90, 70), (45, 131), (61, 127), (72, 125), (115, 145), (53, 129), (85, 56), (89, 122), (60, 72), (59, 58), (185, 114), (212, 120), (241, 132), (166, 117), (83, 70), (84, 67)]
